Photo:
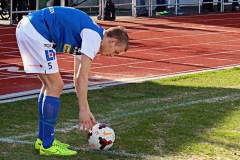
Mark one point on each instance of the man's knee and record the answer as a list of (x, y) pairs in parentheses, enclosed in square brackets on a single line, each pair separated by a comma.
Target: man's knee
[(53, 83), (56, 86)]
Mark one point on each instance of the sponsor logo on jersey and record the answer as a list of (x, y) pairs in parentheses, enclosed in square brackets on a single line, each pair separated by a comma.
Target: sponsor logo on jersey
[(47, 45), (59, 47), (66, 48), (51, 10), (35, 65), (50, 55), (76, 50)]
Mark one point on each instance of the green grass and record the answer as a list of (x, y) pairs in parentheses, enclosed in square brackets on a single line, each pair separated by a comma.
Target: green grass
[(184, 117)]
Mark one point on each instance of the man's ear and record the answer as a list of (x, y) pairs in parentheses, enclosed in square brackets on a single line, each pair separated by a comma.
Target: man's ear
[(113, 40)]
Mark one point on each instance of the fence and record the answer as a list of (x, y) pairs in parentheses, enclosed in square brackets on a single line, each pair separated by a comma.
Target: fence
[(134, 6)]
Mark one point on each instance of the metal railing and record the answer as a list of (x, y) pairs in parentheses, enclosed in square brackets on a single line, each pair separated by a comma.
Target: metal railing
[(12, 12), (199, 4), (133, 5)]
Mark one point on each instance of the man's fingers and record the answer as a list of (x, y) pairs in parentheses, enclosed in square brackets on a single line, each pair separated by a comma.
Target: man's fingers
[(93, 120), (83, 127)]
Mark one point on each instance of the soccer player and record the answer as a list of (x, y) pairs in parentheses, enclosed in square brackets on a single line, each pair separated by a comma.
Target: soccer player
[(62, 29)]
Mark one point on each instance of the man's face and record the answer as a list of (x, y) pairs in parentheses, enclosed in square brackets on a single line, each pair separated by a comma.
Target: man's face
[(109, 47)]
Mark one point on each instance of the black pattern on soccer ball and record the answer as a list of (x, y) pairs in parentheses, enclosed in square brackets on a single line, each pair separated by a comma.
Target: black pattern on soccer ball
[(103, 125), (89, 134), (104, 142)]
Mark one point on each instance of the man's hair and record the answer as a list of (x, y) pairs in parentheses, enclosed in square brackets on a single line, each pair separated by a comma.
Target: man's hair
[(120, 34)]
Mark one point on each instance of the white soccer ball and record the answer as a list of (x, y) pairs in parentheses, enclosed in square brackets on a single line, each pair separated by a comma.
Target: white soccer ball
[(101, 137)]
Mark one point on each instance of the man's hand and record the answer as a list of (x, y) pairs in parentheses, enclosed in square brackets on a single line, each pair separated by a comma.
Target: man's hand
[(86, 121)]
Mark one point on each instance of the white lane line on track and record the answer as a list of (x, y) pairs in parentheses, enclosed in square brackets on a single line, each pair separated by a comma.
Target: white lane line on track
[(69, 87), (149, 68), (191, 64), (220, 59)]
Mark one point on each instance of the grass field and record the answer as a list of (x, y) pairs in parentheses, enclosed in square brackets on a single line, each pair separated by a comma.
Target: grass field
[(193, 116)]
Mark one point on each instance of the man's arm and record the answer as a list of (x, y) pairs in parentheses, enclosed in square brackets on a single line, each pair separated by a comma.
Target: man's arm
[(81, 71)]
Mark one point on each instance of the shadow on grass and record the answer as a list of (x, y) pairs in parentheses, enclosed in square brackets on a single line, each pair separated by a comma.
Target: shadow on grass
[(151, 118), (167, 120)]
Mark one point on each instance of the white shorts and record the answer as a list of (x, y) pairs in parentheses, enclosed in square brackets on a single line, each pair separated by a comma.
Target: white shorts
[(37, 53)]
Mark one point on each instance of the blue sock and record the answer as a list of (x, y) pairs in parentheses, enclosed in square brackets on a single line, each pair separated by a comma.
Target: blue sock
[(40, 119), (50, 111)]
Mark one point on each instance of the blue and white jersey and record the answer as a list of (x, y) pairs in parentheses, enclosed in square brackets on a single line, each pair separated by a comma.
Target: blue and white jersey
[(68, 28)]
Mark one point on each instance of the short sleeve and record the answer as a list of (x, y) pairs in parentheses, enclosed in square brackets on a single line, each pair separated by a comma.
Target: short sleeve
[(91, 41)]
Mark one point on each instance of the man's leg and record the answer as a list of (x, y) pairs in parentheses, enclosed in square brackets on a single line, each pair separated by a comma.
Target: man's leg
[(40, 121), (14, 15), (48, 114), (210, 5), (179, 12), (20, 7), (30, 45), (112, 10), (142, 9), (158, 8), (142, 12), (178, 6), (40, 118), (32, 5), (53, 85), (107, 10), (3, 4), (235, 6), (219, 5), (166, 3)]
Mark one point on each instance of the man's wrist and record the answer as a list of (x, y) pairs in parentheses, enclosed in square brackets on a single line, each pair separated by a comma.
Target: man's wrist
[(84, 109)]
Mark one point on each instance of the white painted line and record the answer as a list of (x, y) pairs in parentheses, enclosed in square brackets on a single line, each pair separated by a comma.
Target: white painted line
[(15, 139), (190, 64), (3, 35), (148, 68), (157, 54), (9, 52), (221, 59), (187, 50), (34, 93), (13, 63), (128, 114), (11, 69), (124, 58), (166, 59), (8, 140), (20, 76), (95, 63), (15, 56), (125, 154)]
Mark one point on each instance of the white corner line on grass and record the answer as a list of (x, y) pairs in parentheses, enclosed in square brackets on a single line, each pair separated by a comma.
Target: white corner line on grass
[(111, 152), (15, 139)]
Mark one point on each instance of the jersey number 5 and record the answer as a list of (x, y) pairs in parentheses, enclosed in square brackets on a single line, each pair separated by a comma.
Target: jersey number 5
[(50, 65)]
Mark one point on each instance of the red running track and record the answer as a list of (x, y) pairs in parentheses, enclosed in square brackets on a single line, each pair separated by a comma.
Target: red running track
[(158, 47)]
